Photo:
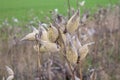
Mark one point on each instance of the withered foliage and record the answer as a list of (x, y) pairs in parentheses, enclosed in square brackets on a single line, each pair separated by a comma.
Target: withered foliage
[(62, 50)]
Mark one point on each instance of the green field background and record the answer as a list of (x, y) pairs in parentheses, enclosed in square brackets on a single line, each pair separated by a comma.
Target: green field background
[(23, 9)]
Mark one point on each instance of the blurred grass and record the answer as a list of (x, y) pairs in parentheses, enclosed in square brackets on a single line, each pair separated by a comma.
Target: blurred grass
[(24, 9)]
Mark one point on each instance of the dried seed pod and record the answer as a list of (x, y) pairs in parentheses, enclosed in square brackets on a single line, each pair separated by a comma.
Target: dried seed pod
[(61, 38), (44, 33), (76, 42), (31, 36), (71, 53), (53, 33), (71, 56), (73, 23), (47, 47), (84, 50)]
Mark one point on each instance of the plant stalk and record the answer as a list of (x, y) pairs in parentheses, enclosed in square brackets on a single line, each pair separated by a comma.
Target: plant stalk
[(68, 9)]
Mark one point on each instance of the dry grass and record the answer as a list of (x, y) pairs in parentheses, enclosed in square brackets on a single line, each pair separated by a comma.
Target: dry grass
[(104, 56)]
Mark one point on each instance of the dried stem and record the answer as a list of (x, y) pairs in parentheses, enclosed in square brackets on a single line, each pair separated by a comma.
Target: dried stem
[(69, 65), (68, 9), (110, 1), (77, 4), (49, 70), (39, 61), (78, 67), (80, 70), (64, 54)]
